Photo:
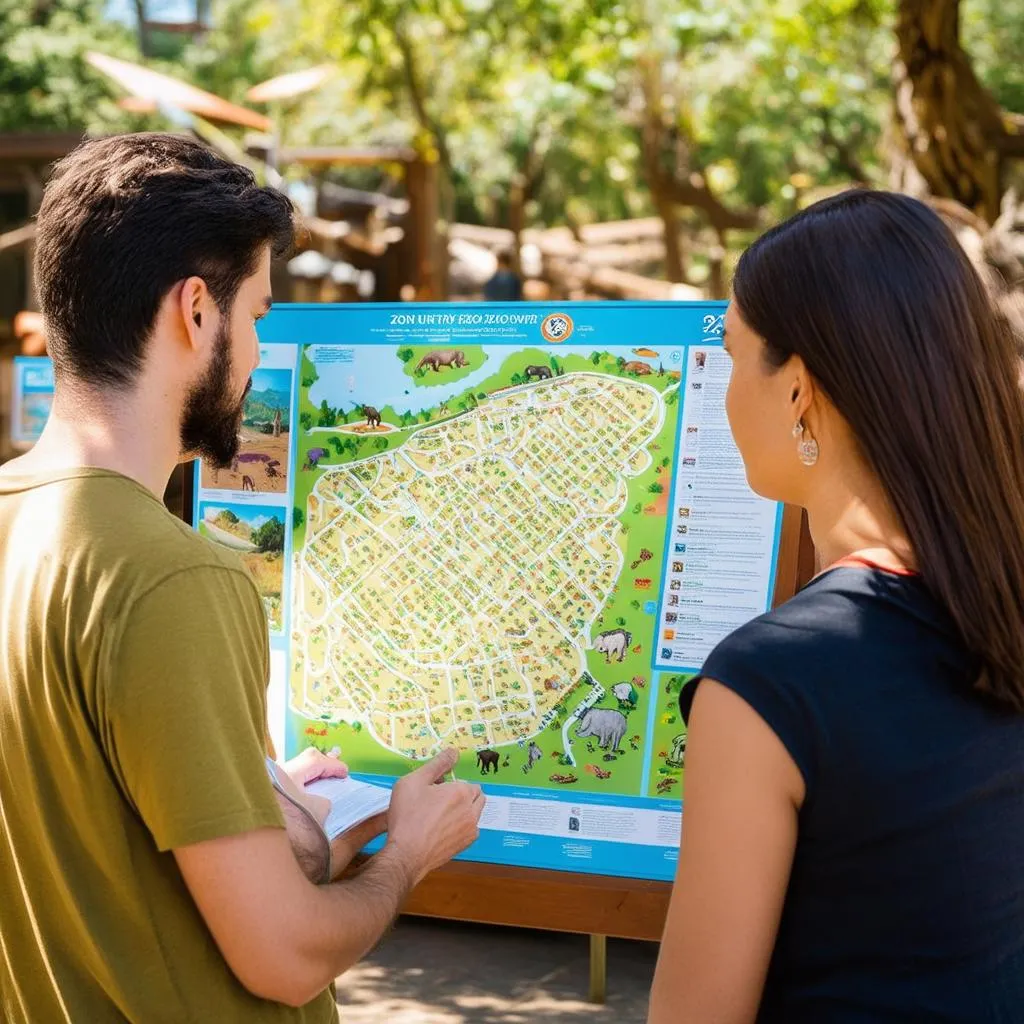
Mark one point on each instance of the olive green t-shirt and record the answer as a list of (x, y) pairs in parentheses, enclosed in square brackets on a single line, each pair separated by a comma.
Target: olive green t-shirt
[(133, 670)]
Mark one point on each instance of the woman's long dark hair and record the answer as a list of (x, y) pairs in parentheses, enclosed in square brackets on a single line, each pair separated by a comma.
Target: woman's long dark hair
[(876, 296)]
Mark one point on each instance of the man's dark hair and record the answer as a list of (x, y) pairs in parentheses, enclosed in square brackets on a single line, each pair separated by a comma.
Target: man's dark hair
[(122, 221)]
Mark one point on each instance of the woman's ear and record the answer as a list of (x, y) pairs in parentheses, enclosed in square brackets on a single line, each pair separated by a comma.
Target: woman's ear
[(801, 388)]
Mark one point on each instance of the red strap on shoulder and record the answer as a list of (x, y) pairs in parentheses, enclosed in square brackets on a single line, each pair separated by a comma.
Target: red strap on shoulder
[(858, 561)]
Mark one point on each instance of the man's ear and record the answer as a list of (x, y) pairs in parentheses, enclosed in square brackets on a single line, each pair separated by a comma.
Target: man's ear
[(196, 310)]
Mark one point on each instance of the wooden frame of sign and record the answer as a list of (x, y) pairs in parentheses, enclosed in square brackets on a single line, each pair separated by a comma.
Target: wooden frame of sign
[(595, 905)]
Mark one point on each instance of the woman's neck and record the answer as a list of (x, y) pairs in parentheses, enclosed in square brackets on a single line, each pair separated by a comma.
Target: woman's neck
[(853, 515)]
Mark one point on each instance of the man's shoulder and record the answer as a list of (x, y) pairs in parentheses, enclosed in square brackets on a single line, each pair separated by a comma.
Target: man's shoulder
[(121, 534)]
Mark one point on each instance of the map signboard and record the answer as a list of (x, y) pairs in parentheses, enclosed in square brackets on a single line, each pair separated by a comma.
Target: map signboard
[(515, 529), (512, 529)]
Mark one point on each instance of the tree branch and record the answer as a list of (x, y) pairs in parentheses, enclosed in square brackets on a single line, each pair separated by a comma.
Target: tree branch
[(417, 96)]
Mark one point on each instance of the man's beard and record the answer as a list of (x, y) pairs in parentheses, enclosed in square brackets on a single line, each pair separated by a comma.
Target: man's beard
[(213, 416)]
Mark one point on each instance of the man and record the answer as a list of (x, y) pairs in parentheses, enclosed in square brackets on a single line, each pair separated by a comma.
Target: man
[(504, 285), (145, 873)]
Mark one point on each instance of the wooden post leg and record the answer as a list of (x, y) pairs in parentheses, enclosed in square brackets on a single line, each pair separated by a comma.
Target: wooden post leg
[(598, 969)]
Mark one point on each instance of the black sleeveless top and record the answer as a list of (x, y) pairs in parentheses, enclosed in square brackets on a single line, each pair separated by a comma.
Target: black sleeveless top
[(906, 899)]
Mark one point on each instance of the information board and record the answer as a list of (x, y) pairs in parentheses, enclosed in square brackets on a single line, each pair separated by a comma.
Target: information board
[(516, 529), (31, 399)]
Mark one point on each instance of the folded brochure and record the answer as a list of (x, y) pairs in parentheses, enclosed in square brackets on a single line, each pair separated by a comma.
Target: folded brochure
[(352, 802)]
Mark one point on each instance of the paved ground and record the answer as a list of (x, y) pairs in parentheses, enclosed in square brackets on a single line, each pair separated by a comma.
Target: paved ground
[(439, 972)]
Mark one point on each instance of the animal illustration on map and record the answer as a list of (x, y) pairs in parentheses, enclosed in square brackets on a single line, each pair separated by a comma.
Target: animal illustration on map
[(599, 773), (640, 681), (248, 484), (665, 785), (640, 369), (443, 357), (538, 373), (606, 725), (372, 416), (644, 556), (273, 468), (487, 759), (313, 456), (533, 755), (564, 780), (626, 695), (613, 643), (678, 752)]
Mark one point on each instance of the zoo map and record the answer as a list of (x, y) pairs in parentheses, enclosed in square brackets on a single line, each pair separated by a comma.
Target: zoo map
[(502, 535)]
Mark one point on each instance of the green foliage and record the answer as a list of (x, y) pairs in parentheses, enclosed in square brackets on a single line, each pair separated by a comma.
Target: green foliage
[(656, 488), (328, 417), (405, 354), (298, 517), (306, 420), (270, 536), (45, 82), (767, 103)]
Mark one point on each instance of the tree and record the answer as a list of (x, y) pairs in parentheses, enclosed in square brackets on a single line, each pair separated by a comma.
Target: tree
[(336, 444), (951, 126), (298, 517), (328, 417), (270, 536), (656, 488), (306, 420), (405, 354)]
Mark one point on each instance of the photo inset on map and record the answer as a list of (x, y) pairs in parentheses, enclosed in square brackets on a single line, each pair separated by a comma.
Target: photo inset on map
[(261, 465), (33, 413), (256, 533), (475, 565)]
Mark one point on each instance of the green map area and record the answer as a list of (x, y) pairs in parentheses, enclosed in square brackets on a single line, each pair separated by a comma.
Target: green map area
[(480, 574)]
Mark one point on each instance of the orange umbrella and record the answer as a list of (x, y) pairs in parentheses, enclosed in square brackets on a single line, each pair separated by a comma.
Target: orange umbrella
[(295, 83), (150, 89)]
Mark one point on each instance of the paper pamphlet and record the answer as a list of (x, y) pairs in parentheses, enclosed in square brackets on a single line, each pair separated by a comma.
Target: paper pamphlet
[(352, 802)]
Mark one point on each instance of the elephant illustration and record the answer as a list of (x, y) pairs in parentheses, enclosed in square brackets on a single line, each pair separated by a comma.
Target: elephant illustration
[(538, 373), (443, 357), (606, 725), (372, 416), (487, 759)]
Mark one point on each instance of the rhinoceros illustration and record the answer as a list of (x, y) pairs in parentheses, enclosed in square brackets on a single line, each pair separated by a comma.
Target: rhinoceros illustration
[(608, 726), (442, 357), (613, 643)]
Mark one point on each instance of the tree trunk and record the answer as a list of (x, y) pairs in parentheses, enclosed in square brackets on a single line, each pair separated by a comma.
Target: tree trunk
[(675, 265), (658, 180), (143, 20), (951, 126)]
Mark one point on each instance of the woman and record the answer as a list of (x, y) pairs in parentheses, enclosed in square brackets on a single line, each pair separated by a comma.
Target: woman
[(853, 848)]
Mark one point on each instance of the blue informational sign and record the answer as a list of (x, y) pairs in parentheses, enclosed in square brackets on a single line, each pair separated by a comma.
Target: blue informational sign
[(31, 398), (515, 529)]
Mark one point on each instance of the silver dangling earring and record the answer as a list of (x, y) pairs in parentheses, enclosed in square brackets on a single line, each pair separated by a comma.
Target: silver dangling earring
[(806, 448)]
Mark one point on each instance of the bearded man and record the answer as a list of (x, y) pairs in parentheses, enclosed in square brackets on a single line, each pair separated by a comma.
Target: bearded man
[(147, 871)]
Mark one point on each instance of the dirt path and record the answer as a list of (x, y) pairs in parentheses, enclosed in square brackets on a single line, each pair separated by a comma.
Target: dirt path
[(440, 972)]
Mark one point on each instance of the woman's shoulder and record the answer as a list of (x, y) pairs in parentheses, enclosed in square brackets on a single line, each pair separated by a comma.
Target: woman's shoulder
[(842, 611)]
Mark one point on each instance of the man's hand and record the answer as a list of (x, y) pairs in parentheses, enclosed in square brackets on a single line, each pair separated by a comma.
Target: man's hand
[(309, 766), (429, 820)]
